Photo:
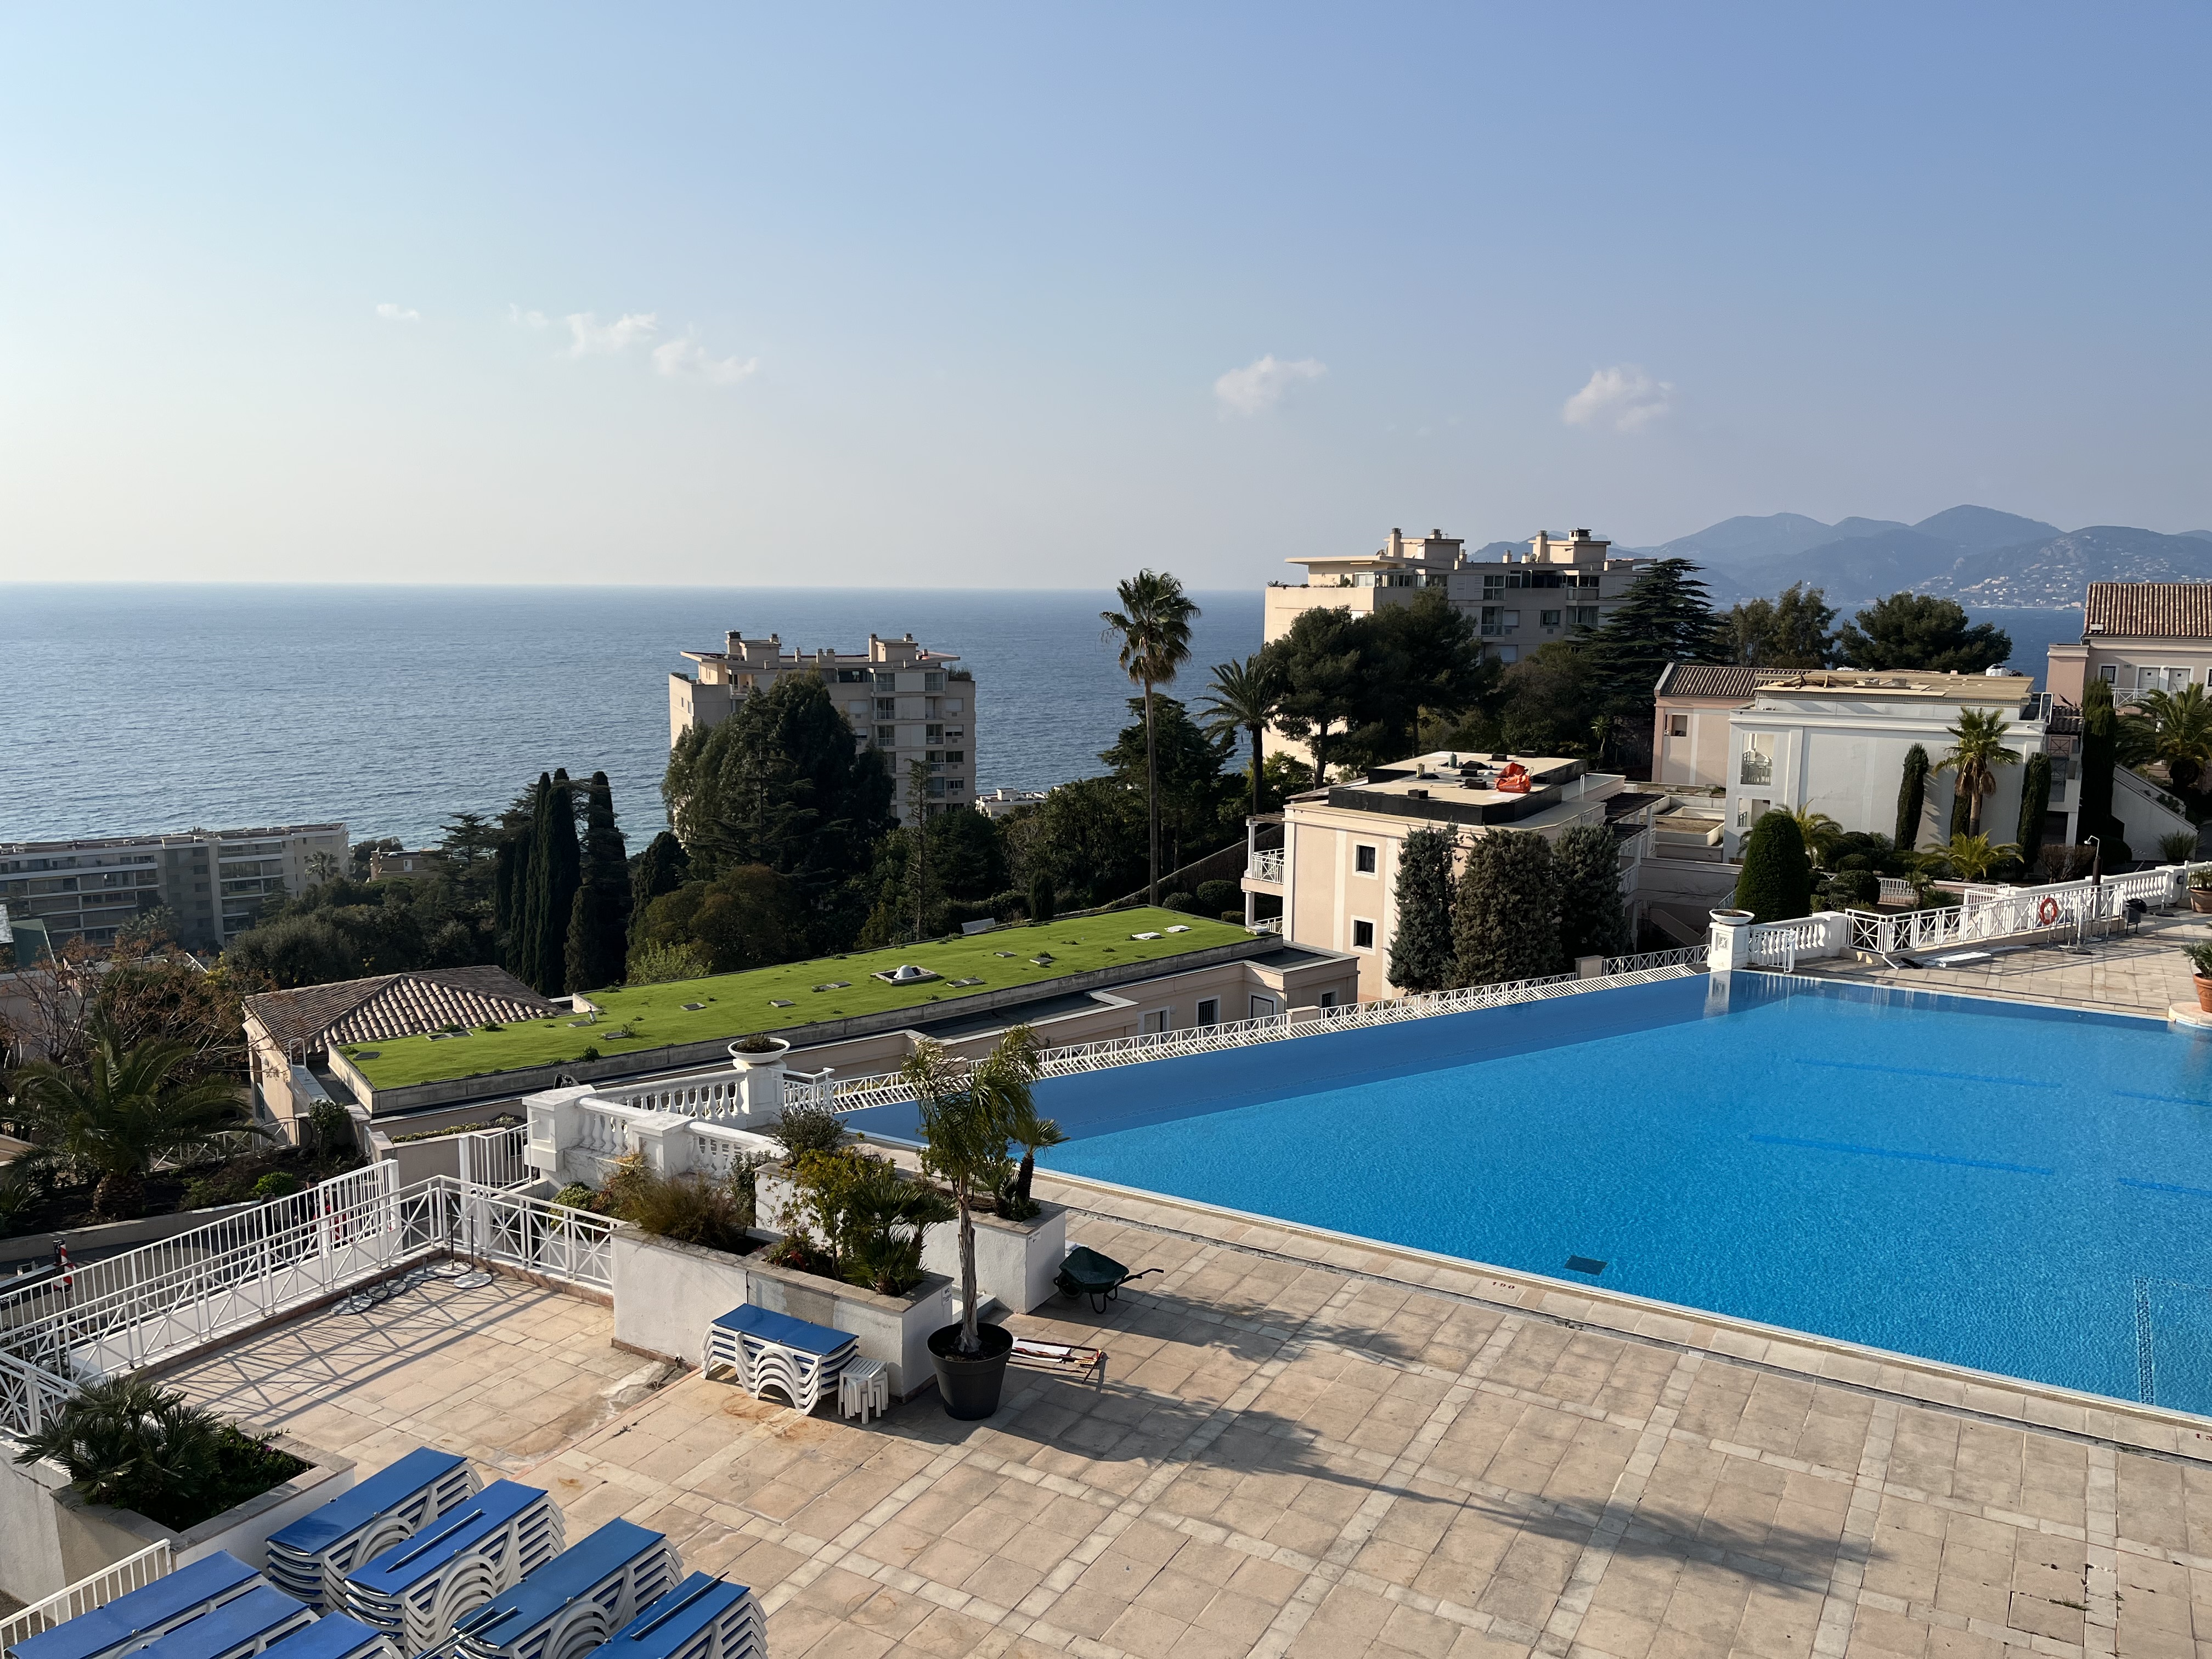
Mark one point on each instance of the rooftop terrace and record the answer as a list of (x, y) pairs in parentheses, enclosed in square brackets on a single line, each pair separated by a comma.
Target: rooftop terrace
[(794, 995)]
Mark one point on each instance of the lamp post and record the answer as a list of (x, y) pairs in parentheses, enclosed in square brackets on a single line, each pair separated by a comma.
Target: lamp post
[(2096, 846)]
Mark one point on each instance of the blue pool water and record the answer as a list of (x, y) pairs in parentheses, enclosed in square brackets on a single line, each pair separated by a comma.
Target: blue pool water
[(2022, 1190)]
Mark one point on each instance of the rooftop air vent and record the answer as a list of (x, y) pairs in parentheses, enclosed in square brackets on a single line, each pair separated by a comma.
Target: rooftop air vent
[(1417, 794)]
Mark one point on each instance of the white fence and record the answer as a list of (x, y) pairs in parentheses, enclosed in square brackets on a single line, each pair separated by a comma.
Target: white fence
[(2061, 907), (858, 1094), (1267, 866), (170, 1297), (493, 1158), (130, 1573)]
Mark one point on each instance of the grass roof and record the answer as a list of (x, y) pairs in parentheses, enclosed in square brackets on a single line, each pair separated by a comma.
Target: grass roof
[(794, 993)]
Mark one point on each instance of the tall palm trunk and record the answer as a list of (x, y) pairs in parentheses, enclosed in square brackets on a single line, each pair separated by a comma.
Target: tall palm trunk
[(1151, 801), (1255, 731)]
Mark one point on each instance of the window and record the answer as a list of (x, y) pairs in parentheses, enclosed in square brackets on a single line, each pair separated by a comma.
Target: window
[(859, 711), (953, 705), (1262, 1007), (1758, 766), (1158, 1020), (1548, 618), (933, 734), (2109, 673), (932, 681), (956, 786), (886, 708), (887, 737), (1362, 859), (2161, 679), (1209, 1011), (1363, 935), (885, 682), (1678, 726), (1329, 999)]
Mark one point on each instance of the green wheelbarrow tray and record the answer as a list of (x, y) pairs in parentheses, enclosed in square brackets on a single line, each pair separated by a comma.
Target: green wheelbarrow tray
[(1086, 1273)]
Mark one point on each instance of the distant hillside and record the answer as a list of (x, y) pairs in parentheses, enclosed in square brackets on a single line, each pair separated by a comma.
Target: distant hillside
[(1854, 570), (1737, 541), (2054, 571), (1977, 529)]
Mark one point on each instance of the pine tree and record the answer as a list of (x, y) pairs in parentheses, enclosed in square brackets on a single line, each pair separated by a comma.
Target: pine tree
[(1911, 796), (2034, 802), (1504, 925), (1423, 955), (1586, 865), (661, 868), (1664, 617), (1776, 882), (598, 918)]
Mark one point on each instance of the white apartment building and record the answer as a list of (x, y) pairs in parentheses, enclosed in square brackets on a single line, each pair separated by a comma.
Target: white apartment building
[(1562, 583), (909, 703), (213, 880), (1336, 871)]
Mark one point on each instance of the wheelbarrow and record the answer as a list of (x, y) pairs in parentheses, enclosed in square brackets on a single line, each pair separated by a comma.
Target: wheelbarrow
[(1086, 1273)]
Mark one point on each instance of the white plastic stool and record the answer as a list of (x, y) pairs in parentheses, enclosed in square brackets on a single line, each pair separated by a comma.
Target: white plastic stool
[(865, 1385)]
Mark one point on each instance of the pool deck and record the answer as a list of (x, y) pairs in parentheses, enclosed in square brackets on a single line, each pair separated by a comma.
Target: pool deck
[(1315, 1447), (2139, 973)]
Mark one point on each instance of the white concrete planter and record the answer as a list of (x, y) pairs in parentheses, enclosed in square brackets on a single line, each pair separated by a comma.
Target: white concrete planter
[(760, 1078), (1015, 1261), (54, 1538), (666, 1294)]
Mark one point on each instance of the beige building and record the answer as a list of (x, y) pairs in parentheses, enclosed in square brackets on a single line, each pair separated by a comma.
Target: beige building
[(1690, 740), (909, 703), (2137, 637), (1562, 583), (213, 880), (1336, 871)]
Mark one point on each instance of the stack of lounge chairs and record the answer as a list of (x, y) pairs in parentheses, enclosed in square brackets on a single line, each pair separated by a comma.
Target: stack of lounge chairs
[(307, 1557), (575, 1602)]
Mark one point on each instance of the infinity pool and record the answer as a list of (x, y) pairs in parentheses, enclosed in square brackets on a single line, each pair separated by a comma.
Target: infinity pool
[(2022, 1190)]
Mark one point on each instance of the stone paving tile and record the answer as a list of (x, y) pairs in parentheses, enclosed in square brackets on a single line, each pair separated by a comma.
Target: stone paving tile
[(1292, 1459)]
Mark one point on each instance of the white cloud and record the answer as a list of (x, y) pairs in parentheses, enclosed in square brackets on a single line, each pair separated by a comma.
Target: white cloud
[(522, 318), (1264, 383), (1623, 397), (686, 358), (392, 314), (595, 338)]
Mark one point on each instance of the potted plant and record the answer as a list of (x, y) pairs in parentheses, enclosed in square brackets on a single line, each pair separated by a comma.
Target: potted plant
[(969, 1114), (753, 1051), (2200, 960), (2200, 892)]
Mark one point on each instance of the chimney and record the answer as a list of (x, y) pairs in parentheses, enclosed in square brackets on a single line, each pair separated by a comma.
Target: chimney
[(732, 643), (1397, 543)]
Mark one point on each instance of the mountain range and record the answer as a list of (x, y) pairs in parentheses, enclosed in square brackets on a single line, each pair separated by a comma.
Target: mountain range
[(1979, 557)]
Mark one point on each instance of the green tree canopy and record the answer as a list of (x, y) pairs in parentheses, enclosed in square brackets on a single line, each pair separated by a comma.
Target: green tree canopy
[(659, 869), (1776, 883), (1186, 765), (597, 936), (1242, 698), (2172, 729), (747, 916), (1665, 616), (1791, 631), (1322, 665), (1424, 955), (1153, 626), (1086, 837), (1911, 796), (1917, 630), (1586, 872), (1978, 750), (1506, 926)]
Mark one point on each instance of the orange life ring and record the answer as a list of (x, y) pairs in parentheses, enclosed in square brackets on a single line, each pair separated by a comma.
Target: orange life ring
[(2047, 912)]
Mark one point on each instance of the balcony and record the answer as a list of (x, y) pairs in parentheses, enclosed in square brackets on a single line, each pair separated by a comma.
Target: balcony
[(1265, 866)]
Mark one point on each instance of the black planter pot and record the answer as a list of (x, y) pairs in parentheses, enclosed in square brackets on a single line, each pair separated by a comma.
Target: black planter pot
[(970, 1388)]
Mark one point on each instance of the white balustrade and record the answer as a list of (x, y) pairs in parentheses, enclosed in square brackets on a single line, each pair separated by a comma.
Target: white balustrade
[(1267, 866)]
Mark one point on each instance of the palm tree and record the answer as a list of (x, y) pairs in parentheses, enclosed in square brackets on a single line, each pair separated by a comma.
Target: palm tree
[(968, 1115), (1822, 832), (1032, 1135), (1154, 627), (1976, 751), (1971, 857), (1242, 698), (2175, 727), (123, 1109)]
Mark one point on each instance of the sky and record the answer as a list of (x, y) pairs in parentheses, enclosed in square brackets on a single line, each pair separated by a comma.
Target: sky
[(970, 295)]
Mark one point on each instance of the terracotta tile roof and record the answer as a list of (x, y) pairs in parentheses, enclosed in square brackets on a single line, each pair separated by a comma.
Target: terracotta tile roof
[(1730, 681), (2149, 610), (397, 1005)]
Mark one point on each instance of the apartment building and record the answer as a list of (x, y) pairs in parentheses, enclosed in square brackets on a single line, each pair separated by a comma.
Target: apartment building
[(213, 880), (2137, 637), (1562, 583), (909, 703), (1336, 871), (1690, 738)]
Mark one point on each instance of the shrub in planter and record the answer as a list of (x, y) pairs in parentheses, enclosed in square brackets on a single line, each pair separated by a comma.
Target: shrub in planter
[(758, 1045), (277, 1183), (861, 1221), (687, 1208), (129, 1441), (2200, 962), (806, 1129)]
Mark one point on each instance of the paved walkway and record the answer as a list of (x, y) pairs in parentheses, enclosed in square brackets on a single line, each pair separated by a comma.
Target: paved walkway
[(2137, 973), (1319, 1449)]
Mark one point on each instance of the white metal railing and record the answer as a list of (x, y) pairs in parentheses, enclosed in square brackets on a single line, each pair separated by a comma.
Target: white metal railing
[(1266, 925), (1267, 865), (2059, 907), (1688, 956), (150, 1305), (857, 1094), (1894, 891), (131, 1572), (494, 1157)]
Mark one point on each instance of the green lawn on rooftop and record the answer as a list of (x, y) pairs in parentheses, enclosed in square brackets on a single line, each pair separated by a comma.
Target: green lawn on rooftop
[(736, 1005)]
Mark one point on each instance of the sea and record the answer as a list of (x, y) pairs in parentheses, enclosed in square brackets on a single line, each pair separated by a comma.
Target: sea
[(134, 710)]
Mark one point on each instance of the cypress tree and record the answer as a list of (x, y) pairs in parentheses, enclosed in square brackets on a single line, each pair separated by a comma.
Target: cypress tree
[(523, 952), (1044, 902), (555, 873), (599, 917), (1503, 922), (661, 869), (1424, 955), (1776, 883), (1586, 863), (1911, 796), (2034, 802), (2100, 752)]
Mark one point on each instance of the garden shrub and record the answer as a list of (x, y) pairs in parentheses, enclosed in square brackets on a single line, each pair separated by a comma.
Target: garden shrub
[(1215, 898), (1185, 901), (277, 1183), (806, 1129), (1852, 890), (1776, 883)]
